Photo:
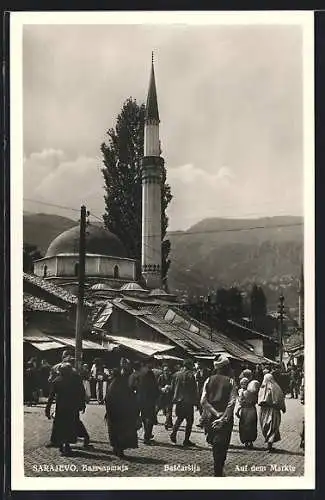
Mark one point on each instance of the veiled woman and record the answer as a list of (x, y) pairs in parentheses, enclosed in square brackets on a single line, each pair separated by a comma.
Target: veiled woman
[(121, 414), (272, 401), (247, 414)]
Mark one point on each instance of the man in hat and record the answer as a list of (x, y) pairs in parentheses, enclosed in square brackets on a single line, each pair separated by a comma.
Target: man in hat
[(185, 395), (218, 402)]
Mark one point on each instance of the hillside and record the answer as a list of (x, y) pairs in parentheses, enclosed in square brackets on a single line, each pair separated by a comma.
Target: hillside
[(228, 252), (41, 229), (214, 252)]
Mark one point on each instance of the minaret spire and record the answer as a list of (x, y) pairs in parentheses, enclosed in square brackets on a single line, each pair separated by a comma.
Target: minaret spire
[(152, 103), (152, 165)]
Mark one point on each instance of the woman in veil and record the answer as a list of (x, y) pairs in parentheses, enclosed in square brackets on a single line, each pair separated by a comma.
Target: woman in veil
[(272, 401)]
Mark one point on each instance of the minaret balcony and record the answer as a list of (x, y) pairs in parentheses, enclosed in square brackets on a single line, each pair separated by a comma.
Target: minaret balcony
[(152, 161)]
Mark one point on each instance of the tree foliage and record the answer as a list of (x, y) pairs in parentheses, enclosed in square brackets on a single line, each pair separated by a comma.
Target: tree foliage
[(30, 253), (229, 303), (257, 302), (122, 155), (226, 304)]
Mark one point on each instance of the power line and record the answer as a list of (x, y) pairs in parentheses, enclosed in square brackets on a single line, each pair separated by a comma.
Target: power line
[(52, 205), (188, 272), (185, 233), (180, 267)]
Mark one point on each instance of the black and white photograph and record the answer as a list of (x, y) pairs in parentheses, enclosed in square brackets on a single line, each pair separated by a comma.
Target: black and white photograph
[(162, 281)]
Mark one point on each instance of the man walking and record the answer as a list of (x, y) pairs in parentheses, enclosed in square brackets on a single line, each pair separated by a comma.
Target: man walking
[(218, 403), (69, 394), (165, 399), (185, 395), (147, 394)]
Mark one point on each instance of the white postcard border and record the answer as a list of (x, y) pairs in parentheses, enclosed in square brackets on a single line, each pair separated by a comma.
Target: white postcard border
[(17, 21)]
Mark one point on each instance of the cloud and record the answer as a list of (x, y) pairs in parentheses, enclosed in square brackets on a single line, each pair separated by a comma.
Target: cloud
[(199, 194), (50, 177), (230, 102)]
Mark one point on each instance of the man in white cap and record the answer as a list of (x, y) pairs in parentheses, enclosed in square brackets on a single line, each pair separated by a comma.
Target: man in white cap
[(218, 402)]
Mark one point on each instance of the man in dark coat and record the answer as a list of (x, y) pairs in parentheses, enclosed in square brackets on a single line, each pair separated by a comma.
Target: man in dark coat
[(69, 393), (121, 414), (31, 382), (147, 395), (185, 395), (166, 396), (218, 402), (67, 357)]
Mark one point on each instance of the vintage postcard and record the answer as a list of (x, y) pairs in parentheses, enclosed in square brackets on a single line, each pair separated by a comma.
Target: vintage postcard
[(162, 239)]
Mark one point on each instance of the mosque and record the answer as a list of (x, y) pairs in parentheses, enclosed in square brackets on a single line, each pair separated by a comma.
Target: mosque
[(136, 315), (107, 263)]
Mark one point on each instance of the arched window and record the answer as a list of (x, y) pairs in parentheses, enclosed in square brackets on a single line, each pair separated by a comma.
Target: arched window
[(116, 272), (76, 269), (45, 271)]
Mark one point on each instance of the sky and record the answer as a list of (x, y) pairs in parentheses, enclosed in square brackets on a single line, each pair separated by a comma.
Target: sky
[(230, 105)]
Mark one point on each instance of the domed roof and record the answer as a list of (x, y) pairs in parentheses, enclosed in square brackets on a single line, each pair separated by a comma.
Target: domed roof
[(98, 241), (133, 287)]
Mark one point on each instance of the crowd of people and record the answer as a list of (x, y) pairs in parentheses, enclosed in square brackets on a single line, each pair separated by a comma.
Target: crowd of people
[(134, 393)]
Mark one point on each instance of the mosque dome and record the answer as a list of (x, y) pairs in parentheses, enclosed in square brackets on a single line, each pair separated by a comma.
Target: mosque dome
[(98, 241)]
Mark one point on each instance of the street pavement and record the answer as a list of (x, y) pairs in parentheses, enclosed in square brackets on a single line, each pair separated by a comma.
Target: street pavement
[(161, 458)]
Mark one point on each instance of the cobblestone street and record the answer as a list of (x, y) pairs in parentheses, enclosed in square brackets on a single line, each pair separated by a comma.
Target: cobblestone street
[(286, 460)]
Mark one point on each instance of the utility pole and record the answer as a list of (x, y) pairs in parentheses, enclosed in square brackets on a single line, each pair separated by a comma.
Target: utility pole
[(281, 315), (81, 288)]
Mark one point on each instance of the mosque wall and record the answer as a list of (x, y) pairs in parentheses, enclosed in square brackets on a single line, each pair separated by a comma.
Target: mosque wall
[(46, 267), (101, 266)]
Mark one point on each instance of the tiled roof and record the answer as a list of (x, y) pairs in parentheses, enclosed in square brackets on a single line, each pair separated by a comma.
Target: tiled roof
[(250, 330), (190, 335), (32, 303), (46, 290)]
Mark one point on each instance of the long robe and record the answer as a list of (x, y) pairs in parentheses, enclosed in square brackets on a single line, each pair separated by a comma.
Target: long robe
[(272, 402), (69, 393), (121, 414), (248, 417), (147, 395)]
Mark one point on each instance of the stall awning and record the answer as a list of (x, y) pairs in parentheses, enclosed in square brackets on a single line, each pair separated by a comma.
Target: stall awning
[(141, 346), (47, 346), (86, 344), (167, 357)]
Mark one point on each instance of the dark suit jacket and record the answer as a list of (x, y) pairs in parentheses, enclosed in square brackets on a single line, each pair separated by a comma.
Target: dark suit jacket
[(184, 387)]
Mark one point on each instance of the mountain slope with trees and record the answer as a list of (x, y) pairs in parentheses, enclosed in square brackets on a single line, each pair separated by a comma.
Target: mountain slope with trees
[(214, 253)]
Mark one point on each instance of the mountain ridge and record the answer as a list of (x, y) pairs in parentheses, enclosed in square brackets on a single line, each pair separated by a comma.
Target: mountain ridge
[(213, 252)]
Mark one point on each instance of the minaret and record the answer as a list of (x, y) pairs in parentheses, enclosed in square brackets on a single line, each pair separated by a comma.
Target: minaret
[(301, 299), (152, 165)]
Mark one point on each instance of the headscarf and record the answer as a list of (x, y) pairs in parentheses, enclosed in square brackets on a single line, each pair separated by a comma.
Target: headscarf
[(244, 380), (271, 393), (247, 373)]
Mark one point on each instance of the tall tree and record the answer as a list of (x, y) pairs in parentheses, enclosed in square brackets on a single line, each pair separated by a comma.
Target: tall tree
[(257, 302), (122, 155), (229, 303)]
